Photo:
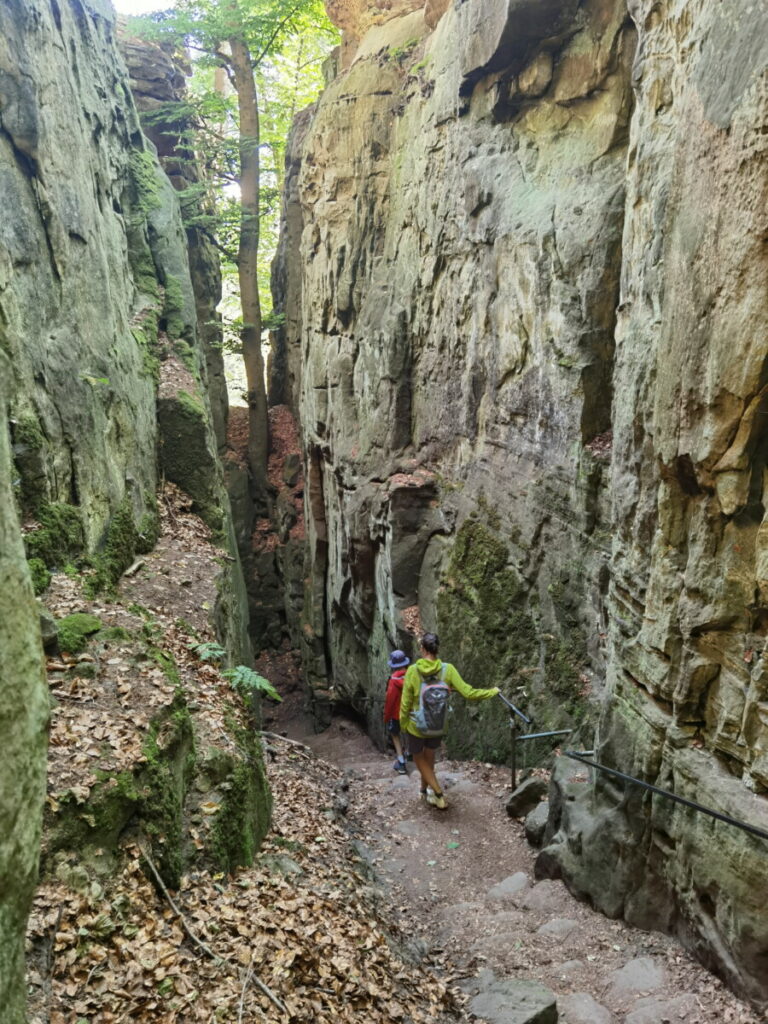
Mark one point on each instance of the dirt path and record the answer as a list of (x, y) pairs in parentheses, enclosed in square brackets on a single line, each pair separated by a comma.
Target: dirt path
[(463, 880)]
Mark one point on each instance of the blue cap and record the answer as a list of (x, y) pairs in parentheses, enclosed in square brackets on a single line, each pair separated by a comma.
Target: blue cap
[(398, 659)]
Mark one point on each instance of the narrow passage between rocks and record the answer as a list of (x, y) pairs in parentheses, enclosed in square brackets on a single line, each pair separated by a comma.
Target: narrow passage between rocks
[(463, 882)]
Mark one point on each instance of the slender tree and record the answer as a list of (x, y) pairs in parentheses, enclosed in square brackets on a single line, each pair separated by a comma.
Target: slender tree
[(241, 38)]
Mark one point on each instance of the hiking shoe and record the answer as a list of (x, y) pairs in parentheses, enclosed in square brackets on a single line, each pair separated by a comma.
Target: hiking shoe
[(400, 768), (436, 800)]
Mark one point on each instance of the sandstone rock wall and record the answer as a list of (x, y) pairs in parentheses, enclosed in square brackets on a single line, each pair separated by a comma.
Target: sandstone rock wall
[(686, 704), (450, 347), (23, 722), (525, 334)]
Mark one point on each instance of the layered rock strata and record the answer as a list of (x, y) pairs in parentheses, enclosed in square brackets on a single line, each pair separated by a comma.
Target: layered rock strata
[(525, 334)]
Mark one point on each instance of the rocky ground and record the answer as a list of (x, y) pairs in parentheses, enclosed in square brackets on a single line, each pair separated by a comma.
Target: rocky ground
[(463, 884)]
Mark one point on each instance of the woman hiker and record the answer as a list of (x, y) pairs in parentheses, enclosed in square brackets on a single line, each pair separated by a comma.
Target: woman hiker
[(398, 662), (431, 674)]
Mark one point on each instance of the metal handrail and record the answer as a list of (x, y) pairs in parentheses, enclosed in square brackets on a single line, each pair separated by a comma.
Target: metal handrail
[(517, 711), (752, 829)]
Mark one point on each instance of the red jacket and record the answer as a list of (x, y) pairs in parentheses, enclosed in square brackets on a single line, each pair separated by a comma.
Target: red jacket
[(394, 693)]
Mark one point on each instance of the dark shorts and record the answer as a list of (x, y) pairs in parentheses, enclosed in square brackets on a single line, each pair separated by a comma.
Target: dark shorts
[(417, 743), (393, 726)]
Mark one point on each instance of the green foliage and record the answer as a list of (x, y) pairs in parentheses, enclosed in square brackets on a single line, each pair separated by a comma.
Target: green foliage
[(74, 630), (401, 53), (208, 651), (249, 684), (41, 578), (288, 40)]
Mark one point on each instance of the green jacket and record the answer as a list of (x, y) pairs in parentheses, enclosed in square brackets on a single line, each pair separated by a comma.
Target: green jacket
[(412, 686)]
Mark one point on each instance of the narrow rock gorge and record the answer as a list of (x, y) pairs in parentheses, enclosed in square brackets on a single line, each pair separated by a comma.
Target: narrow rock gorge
[(518, 397), (524, 277)]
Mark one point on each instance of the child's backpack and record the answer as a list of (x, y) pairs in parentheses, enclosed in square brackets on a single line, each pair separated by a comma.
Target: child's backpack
[(430, 716)]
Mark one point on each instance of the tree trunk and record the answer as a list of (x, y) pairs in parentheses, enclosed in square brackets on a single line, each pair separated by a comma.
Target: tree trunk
[(248, 252)]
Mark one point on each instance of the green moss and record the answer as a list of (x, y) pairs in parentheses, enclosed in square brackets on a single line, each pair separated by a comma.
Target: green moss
[(401, 53), (114, 633), (29, 458), (245, 811), (74, 630), (166, 663), (41, 578), (481, 608), (173, 309), (60, 538), (148, 531), (185, 455), (142, 263), (28, 433), (152, 798), (169, 751), (145, 188), (120, 547), (149, 350), (192, 405)]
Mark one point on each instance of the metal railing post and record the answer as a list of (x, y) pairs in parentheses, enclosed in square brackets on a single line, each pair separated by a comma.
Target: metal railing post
[(513, 724)]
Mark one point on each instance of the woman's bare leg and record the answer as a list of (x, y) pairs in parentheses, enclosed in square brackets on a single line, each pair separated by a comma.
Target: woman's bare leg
[(425, 762)]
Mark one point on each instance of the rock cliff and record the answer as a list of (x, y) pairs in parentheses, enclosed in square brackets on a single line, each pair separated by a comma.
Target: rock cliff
[(105, 380), (524, 285)]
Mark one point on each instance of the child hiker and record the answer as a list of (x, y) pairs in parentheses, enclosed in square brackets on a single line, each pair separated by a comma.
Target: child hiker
[(398, 662), (423, 710)]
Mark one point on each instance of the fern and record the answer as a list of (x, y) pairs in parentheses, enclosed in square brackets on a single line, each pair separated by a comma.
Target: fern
[(208, 651), (248, 683)]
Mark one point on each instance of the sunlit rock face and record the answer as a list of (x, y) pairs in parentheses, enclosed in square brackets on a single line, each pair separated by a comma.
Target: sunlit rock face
[(687, 679), (525, 334)]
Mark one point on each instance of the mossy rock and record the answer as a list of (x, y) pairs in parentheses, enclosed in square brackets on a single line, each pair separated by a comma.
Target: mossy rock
[(173, 316), (60, 538), (487, 632), (41, 578), (245, 809), (151, 798), (74, 630), (186, 457), (29, 457), (124, 539)]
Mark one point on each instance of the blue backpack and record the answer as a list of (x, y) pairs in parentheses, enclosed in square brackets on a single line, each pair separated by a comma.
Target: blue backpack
[(430, 715)]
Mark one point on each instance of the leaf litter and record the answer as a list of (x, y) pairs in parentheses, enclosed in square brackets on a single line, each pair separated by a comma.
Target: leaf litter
[(306, 928)]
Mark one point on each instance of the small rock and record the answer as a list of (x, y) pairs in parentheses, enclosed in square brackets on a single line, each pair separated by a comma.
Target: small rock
[(581, 1008), (651, 1010), (48, 630), (509, 886), (515, 1002), (569, 967), (526, 796), (291, 469), (536, 823), (545, 896), (561, 927), (641, 975)]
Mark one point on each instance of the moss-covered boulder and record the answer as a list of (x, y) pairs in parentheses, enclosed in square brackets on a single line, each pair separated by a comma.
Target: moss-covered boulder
[(187, 454), (74, 630)]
